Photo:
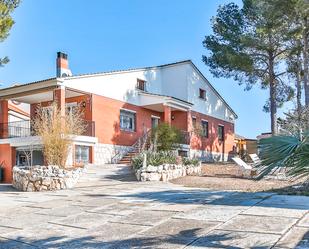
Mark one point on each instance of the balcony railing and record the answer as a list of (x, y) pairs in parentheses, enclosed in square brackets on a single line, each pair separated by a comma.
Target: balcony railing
[(186, 137), (24, 129)]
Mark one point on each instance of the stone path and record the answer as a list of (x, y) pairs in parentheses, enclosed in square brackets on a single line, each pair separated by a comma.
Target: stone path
[(108, 209)]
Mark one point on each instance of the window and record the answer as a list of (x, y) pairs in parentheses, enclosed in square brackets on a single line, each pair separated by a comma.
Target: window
[(183, 153), (70, 107), (221, 132), (202, 94), (82, 154), (205, 128), (127, 120), (194, 122), (141, 85)]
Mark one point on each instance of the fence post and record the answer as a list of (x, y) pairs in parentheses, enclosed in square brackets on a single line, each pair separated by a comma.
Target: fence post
[(144, 160)]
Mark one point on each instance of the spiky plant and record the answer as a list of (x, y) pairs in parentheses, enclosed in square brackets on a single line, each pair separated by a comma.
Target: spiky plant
[(285, 151)]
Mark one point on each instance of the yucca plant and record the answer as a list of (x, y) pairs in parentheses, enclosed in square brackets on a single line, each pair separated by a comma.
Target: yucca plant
[(291, 152)]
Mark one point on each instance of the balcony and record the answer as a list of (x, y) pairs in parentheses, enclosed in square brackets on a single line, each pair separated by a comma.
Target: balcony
[(24, 129)]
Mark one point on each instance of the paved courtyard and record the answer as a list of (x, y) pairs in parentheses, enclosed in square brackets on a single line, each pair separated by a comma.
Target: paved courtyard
[(108, 209)]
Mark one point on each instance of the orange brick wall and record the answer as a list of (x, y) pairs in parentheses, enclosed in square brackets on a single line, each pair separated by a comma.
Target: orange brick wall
[(212, 144), (7, 157), (179, 120), (106, 113), (79, 99)]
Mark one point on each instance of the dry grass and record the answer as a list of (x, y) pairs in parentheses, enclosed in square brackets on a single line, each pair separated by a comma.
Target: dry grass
[(55, 131)]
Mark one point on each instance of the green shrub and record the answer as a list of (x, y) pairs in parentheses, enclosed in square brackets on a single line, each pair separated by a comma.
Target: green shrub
[(166, 137), (190, 161), (154, 159), (137, 161)]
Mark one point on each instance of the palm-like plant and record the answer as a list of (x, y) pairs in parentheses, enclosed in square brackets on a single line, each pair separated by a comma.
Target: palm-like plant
[(291, 152)]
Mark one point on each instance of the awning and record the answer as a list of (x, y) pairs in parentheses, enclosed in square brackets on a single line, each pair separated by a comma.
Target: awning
[(157, 102)]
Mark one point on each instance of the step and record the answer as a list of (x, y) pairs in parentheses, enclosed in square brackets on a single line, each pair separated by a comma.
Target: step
[(126, 158), (124, 161), (132, 153)]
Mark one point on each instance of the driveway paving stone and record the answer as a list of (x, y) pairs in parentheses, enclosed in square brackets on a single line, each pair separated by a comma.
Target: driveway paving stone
[(182, 228), (296, 237), (276, 212), (304, 222), (263, 224), (212, 212), (108, 209), (235, 240)]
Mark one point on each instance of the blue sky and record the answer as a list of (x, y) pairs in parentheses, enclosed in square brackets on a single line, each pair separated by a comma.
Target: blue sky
[(107, 35)]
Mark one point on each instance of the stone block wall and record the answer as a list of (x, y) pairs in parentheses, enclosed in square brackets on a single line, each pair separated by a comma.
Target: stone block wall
[(166, 172), (45, 178)]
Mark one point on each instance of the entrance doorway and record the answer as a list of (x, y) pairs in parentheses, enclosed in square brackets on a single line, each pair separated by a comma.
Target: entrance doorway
[(154, 121)]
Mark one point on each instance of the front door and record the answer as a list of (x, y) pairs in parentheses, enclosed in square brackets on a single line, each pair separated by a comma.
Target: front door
[(154, 122)]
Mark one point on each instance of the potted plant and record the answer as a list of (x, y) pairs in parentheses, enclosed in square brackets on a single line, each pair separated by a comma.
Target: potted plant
[(1, 171)]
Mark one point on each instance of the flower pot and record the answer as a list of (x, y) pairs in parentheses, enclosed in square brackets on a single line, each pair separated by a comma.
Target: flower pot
[(1, 174)]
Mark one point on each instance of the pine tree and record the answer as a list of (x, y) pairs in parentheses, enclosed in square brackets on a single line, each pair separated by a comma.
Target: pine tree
[(249, 44), (6, 22)]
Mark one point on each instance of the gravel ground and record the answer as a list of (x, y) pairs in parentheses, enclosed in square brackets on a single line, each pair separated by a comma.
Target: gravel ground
[(225, 183), (221, 169), (227, 177)]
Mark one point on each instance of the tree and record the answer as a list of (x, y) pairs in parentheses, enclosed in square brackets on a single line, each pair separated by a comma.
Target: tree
[(249, 45), (295, 123), (56, 131), (300, 15), (6, 22), (295, 72), (165, 137)]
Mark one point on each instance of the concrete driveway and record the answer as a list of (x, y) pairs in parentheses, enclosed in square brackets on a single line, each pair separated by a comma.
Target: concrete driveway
[(108, 209)]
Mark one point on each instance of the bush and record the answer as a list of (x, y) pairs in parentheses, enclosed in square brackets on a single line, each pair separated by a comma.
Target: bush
[(190, 161), (154, 159), (165, 137)]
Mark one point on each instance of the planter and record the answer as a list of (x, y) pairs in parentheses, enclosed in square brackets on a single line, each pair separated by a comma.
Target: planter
[(45, 178), (1, 174), (166, 172)]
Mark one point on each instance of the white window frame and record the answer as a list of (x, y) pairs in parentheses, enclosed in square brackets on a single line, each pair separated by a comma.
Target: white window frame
[(155, 117), (205, 121), (80, 159), (138, 80), (223, 133), (133, 129), (69, 107), (205, 93)]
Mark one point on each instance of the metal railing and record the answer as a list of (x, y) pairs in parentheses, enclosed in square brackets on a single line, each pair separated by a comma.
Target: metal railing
[(139, 146), (24, 129), (90, 129), (186, 137)]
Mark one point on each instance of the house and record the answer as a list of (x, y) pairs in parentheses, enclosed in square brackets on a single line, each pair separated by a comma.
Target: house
[(245, 146), (119, 108)]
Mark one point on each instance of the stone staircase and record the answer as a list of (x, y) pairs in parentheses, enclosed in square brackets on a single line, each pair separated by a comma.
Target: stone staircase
[(127, 158), (142, 143)]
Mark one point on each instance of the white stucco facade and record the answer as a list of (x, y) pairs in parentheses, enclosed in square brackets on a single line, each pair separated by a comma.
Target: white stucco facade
[(179, 80)]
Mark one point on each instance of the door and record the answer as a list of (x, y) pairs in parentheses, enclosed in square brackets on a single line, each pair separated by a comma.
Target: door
[(154, 122)]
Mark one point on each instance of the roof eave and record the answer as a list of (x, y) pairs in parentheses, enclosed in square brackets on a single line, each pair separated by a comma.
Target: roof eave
[(9, 92)]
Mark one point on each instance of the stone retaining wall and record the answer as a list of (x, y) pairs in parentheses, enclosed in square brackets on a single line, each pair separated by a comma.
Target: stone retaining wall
[(166, 172), (45, 178)]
